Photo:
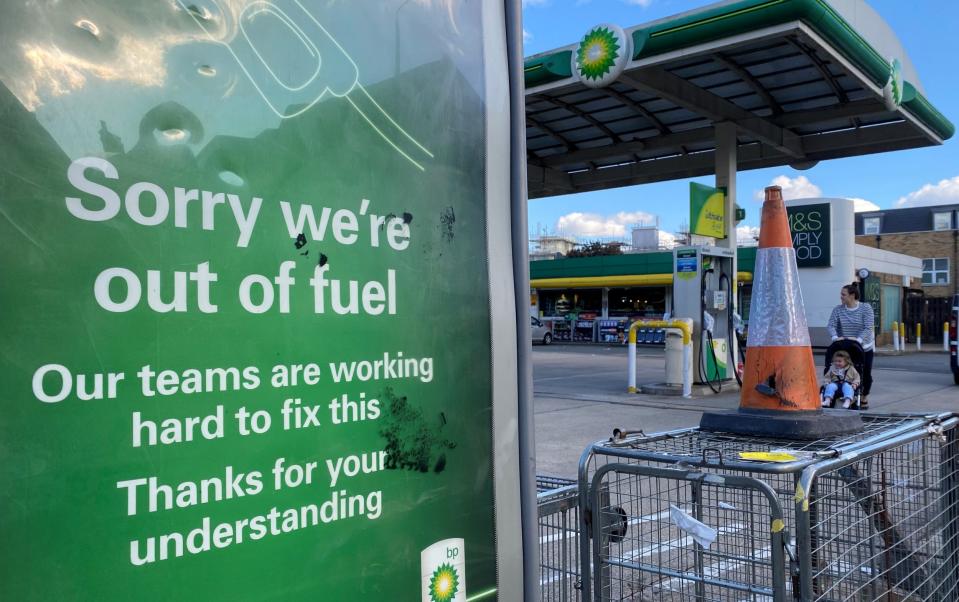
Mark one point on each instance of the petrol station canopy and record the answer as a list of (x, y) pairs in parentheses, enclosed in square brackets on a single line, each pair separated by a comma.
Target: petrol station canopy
[(802, 80)]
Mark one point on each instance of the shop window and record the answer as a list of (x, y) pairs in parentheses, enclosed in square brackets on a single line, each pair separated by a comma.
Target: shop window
[(942, 220), (570, 301), (870, 225), (646, 302), (935, 271)]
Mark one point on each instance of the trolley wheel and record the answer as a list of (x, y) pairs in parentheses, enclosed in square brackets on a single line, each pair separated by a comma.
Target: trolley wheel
[(618, 524), (547, 338)]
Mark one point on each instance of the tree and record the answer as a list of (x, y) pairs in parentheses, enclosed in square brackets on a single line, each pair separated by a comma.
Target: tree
[(596, 248)]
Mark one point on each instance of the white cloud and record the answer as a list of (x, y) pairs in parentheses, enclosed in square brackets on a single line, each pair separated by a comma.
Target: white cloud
[(793, 188), (747, 235), (944, 193), (593, 224), (666, 240), (862, 205), (527, 36), (535, 3), (643, 3)]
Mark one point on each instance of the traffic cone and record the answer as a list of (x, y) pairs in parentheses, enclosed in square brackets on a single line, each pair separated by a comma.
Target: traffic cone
[(780, 393), (778, 353)]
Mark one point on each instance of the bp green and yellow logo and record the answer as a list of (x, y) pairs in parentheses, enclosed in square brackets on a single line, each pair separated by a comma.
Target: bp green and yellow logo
[(893, 90), (443, 571), (602, 55), (444, 583)]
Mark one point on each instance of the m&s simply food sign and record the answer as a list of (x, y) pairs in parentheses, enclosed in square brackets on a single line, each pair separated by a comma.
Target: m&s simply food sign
[(810, 226)]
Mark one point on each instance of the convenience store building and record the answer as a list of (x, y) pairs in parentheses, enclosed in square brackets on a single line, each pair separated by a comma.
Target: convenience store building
[(593, 299)]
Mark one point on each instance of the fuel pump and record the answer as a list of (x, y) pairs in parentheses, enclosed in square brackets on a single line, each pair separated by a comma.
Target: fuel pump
[(702, 291)]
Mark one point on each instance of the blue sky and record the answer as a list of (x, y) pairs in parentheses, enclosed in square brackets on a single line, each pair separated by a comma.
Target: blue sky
[(927, 30)]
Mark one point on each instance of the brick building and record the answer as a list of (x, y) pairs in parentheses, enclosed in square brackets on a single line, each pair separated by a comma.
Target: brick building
[(932, 235), (929, 233)]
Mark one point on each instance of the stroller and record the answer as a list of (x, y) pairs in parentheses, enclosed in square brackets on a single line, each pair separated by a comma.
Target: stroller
[(858, 357)]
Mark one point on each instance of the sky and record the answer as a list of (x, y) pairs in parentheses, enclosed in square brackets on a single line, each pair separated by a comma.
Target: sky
[(927, 176)]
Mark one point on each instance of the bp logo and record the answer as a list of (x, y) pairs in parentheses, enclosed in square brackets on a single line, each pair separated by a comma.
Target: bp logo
[(602, 55), (444, 583), (892, 92), (443, 571)]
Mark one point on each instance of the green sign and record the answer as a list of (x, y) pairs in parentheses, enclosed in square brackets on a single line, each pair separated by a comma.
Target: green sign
[(246, 305), (812, 234), (707, 210), (872, 294)]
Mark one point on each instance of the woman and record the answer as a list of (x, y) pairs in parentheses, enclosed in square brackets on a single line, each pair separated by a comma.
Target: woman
[(854, 320)]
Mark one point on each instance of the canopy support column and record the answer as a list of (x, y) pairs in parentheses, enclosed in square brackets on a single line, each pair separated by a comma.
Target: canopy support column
[(726, 160)]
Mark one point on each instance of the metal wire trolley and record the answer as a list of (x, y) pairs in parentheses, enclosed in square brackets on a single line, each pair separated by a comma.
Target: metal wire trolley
[(693, 515), (558, 517)]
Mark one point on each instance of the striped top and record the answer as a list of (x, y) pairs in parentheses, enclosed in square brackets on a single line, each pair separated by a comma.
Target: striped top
[(857, 322)]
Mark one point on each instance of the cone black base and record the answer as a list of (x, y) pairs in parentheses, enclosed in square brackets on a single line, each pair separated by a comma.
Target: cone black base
[(816, 424)]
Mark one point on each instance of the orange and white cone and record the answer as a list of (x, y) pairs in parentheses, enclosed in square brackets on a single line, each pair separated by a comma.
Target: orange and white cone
[(780, 394), (778, 354)]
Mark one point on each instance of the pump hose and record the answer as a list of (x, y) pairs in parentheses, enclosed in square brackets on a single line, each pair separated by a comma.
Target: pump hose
[(730, 328), (718, 387)]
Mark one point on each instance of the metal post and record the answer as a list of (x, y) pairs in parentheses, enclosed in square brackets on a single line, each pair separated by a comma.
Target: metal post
[(700, 551), (949, 477), (518, 210), (583, 516), (804, 534), (895, 336), (726, 161)]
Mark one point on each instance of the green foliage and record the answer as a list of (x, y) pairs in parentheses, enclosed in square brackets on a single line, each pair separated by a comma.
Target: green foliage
[(596, 248)]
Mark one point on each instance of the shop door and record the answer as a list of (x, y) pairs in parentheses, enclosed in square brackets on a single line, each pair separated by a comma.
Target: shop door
[(931, 312)]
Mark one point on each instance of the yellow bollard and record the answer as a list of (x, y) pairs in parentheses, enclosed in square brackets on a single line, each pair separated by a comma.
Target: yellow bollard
[(902, 334), (918, 337), (945, 337), (685, 326)]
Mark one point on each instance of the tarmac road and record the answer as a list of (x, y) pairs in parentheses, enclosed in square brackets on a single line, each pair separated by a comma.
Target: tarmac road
[(580, 396)]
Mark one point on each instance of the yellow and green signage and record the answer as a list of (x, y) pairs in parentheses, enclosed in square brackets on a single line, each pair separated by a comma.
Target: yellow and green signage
[(707, 210)]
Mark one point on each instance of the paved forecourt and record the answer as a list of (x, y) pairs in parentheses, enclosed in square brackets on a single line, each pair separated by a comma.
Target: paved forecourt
[(580, 397)]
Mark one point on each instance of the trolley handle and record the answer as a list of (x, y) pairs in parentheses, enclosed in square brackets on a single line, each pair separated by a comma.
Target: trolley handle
[(712, 451), (622, 434)]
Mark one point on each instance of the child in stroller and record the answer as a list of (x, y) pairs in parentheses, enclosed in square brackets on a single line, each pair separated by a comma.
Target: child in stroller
[(844, 364)]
